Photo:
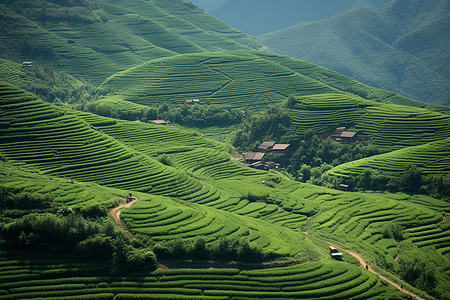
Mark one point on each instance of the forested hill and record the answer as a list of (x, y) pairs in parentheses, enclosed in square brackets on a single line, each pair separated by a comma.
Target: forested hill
[(95, 39), (402, 46)]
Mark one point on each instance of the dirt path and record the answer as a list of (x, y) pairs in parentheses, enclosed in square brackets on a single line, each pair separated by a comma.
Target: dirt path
[(363, 264), (115, 213)]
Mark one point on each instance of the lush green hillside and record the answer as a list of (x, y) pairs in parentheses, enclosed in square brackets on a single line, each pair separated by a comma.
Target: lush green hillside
[(212, 197), (95, 39), (399, 47), (194, 205)]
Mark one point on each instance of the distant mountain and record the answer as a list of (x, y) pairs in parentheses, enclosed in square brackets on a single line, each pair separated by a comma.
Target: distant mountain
[(263, 16), (209, 5), (402, 46)]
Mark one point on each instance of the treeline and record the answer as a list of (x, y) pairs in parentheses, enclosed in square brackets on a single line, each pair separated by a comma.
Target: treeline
[(185, 114), (83, 11), (56, 87), (34, 222), (411, 180), (224, 249)]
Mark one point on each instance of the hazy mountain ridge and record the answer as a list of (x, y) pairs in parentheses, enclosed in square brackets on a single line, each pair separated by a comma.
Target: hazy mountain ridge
[(262, 16), (401, 46)]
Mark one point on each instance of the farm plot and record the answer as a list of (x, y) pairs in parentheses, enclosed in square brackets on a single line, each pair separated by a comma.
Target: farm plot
[(56, 278), (238, 78), (62, 191), (433, 158), (390, 127), (163, 219), (61, 144)]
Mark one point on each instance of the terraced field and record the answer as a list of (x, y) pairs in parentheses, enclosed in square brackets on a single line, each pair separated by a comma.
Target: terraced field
[(113, 35), (63, 278), (390, 127), (239, 78), (164, 220), (433, 158), (61, 144)]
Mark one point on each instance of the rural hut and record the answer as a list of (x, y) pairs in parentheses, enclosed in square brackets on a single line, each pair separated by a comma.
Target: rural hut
[(280, 148), (266, 146), (160, 122), (348, 137), (252, 157)]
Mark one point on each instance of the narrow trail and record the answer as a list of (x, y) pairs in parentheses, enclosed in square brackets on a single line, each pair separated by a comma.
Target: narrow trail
[(363, 264), (115, 213)]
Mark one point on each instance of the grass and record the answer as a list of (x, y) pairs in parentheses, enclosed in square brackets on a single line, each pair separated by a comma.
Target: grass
[(433, 158), (321, 280)]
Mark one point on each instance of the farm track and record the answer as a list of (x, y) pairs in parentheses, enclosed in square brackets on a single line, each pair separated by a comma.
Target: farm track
[(363, 264), (115, 213)]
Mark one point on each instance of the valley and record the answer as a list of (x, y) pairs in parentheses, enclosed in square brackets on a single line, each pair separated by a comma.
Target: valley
[(98, 201)]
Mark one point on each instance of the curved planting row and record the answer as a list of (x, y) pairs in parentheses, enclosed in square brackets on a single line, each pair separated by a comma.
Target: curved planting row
[(163, 220), (391, 127), (185, 150), (64, 279), (240, 78), (61, 144), (433, 158)]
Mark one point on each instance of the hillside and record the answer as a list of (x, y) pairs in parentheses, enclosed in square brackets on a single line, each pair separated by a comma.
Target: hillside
[(210, 196), (249, 80), (399, 47), (96, 207), (95, 39), (258, 17)]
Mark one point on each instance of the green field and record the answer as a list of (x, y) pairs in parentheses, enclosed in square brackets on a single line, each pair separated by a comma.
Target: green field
[(64, 278), (130, 55)]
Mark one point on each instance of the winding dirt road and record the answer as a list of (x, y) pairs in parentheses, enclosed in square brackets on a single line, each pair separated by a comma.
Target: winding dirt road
[(363, 264), (115, 213)]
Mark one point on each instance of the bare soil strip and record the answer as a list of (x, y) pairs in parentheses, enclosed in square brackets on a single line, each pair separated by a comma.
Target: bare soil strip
[(115, 213), (363, 264)]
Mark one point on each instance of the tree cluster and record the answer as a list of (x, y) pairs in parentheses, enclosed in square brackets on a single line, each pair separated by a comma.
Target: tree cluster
[(225, 248), (410, 180), (190, 115)]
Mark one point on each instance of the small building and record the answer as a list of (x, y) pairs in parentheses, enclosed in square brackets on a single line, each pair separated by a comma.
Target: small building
[(260, 166), (252, 157), (334, 253), (27, 64), (266, 146), (348, 137), (280, 148), (193, 101), (160, 122), (272, 165), (341, 129)]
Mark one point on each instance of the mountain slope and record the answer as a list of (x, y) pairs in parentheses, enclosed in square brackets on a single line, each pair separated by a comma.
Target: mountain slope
[(401, 46), (93, 40)]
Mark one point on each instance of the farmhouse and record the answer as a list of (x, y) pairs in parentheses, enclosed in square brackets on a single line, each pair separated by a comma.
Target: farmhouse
[(280, 148), (260, 166), (334, 253), (160, 122), (266, 146), (272, 165), (272, 147), (252, 157), (348, 137)]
